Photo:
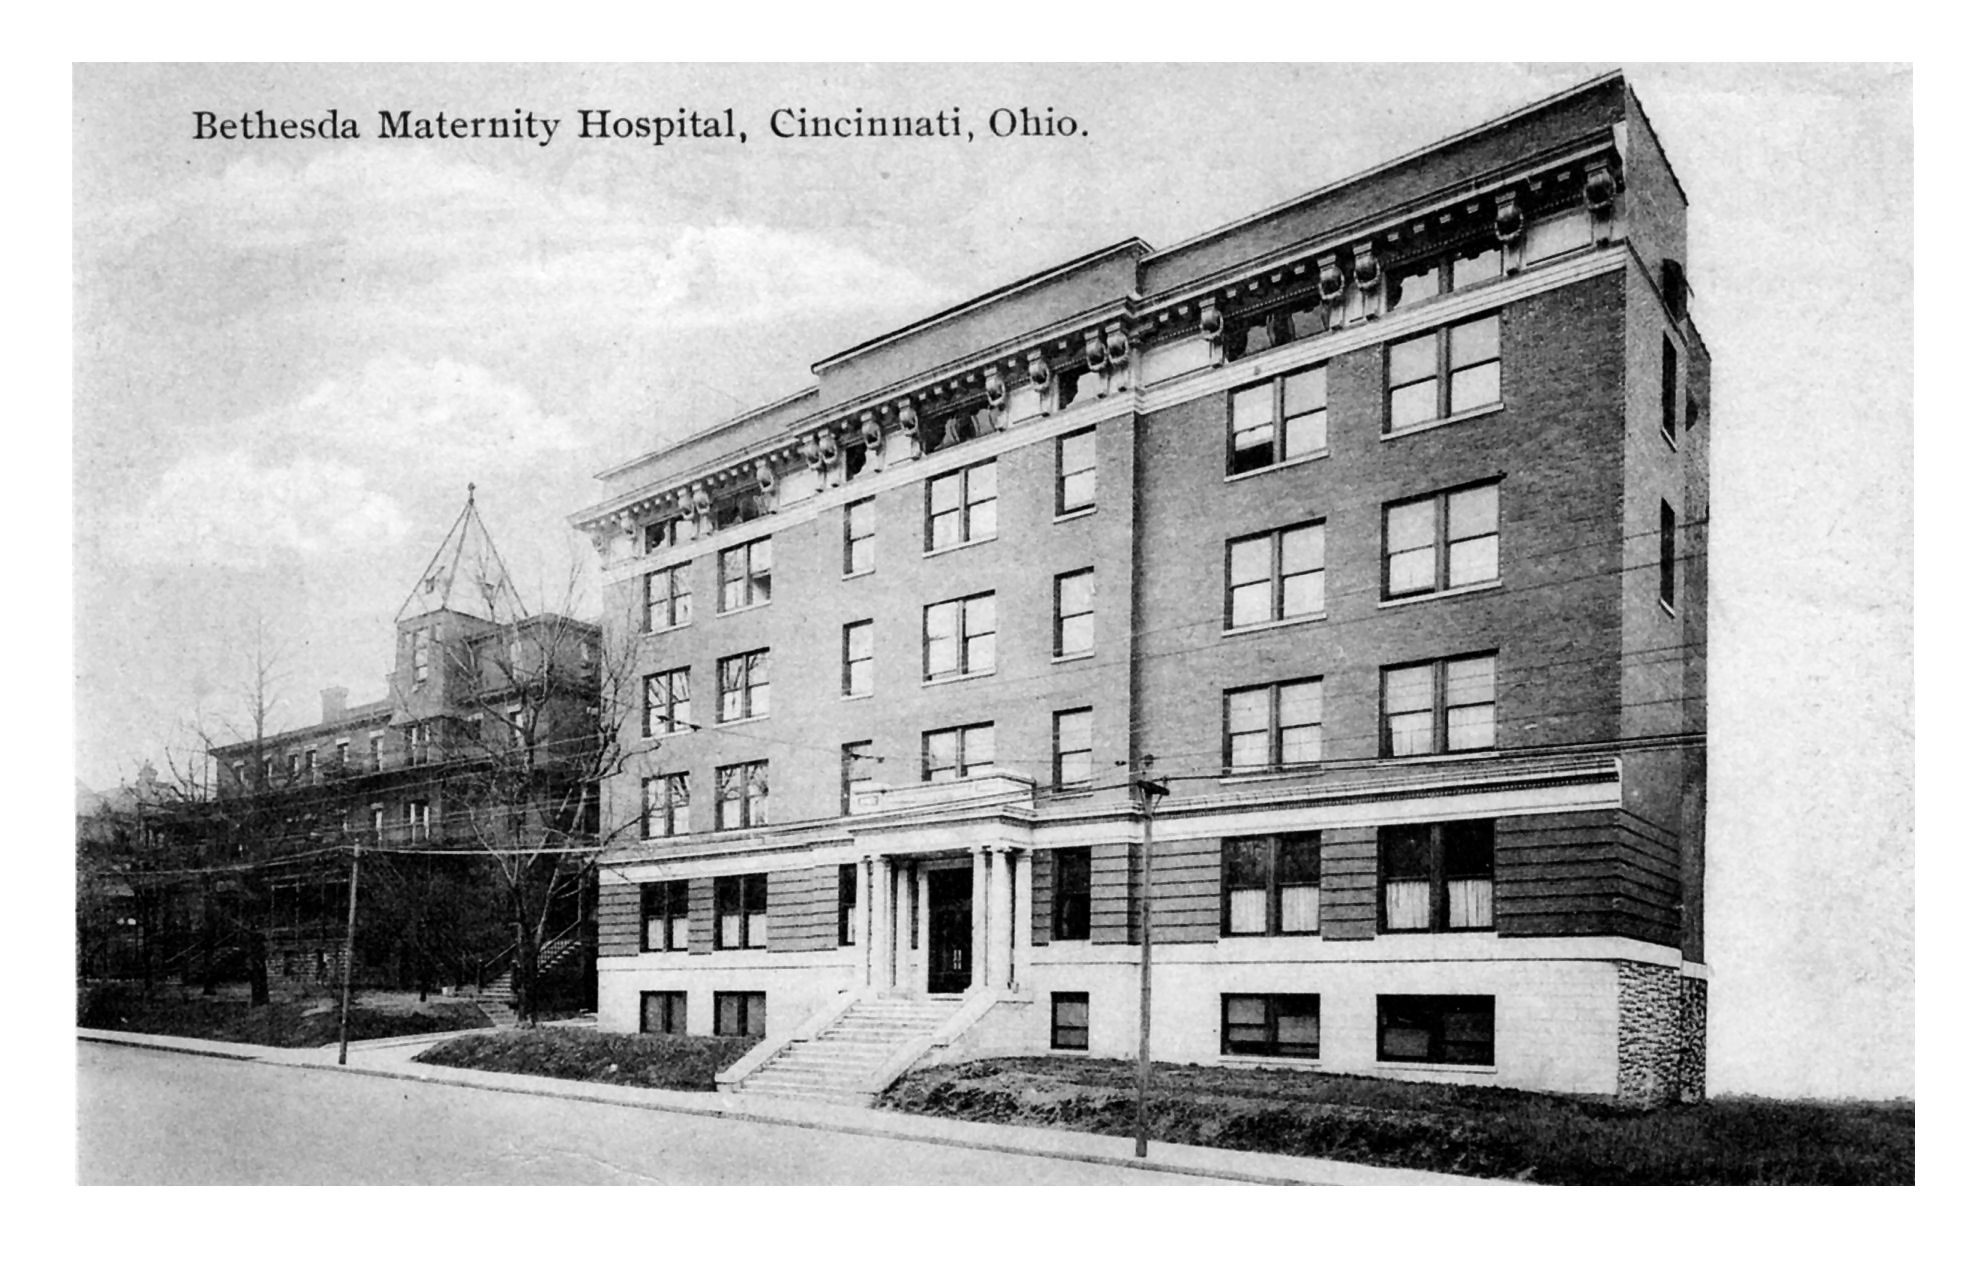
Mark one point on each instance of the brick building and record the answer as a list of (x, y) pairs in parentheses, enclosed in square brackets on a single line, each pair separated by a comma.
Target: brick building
[(486, 730), (1372, 526)]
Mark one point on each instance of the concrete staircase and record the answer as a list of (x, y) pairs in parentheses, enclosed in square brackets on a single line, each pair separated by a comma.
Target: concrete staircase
[(499, 1002), (840, 1063)]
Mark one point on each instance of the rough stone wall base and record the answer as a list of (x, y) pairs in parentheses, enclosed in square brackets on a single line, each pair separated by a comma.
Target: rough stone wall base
[(1660, 1040)]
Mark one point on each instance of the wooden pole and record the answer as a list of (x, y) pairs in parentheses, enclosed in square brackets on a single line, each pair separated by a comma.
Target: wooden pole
[(351, 926), (1149, 791)]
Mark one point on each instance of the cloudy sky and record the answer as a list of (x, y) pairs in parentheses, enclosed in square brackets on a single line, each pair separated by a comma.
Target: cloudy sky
[(292, 356)]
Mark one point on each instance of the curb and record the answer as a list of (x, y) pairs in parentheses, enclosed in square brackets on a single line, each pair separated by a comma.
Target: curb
[(678, 1102)]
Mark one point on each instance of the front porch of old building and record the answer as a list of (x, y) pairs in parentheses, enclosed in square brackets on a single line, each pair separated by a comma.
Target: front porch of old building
[(943, 921)]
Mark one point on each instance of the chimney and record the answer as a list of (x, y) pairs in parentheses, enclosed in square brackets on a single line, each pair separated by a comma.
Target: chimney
[(334, 704)]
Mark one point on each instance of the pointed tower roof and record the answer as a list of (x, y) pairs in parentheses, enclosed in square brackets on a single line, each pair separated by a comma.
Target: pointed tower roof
[(465, 575)]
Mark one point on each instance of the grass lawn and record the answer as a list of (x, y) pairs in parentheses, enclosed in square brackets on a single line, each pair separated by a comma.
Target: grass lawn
[(279, 1023), (1482, 1131), (677, 1062)]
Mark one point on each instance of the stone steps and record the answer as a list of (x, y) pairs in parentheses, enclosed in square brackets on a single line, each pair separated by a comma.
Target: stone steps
[(837, 1065)]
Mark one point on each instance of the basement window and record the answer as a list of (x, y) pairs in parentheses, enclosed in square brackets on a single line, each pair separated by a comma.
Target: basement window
[(739, 1014), (1070, 1020), (1270, 1025), (1437, 1029)]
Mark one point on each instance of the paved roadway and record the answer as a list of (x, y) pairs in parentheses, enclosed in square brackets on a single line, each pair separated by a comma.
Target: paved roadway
[(146, 1116)]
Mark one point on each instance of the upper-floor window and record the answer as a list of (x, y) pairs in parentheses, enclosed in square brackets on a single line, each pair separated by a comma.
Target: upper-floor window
[(1077, 471), (1666, 555), (290, 766), (1270, 885), (666, 598), (859, 537), (954, 753), (666, 702), (666, 805), (342, 755), (417, 740), (1072, 737), (745, 575), (1436, 876), (742, 795), (379, 822), (1070, 893), (1276, 576), (1249, 334), (741, 912), (959, 637), (856, 781), (241, 772), (1444, 273), (666, 916), (423, 638), (959, 507), (1277, 420), (745, 689), (310, 763), (1443, 373), (418, 818), (1669, 387), (1442, 541), (858, 654), (1278, 725), (376, 748), (1076, 593), (1439, 707), (658, 535)]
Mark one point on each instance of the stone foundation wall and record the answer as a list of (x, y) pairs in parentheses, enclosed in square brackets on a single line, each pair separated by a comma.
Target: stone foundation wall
[(1660, 1036)]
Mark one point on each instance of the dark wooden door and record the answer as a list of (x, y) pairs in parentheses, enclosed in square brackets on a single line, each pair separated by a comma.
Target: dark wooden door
[(951, 947)]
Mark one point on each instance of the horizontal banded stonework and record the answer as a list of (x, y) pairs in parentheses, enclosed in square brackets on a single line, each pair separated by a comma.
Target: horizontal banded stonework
[(703, 915), (1587, 873), (1041, 893), (801, 910), (1348, 864), (1187, 890), (620, 917), (1111, 893)]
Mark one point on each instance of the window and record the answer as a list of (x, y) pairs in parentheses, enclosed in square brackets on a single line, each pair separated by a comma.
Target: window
[(1278, 420), (1460, 690), (1666, 555), (857, 652), (417, 821), (1072, 734), (1444, 373), (745, 575), (739, 1014), (1442, 541), (666, 917), (1070, 894), (744, 691), (666, 707), (1076, 595), (658, 535), (376, 748), (959, 637), (1270, 1025), (1278, 725), (666, 805), (1270, 885), (665, 1012), (741, 912), (423, 637), (1070, 1020), (1670, 393), (341, 755), (742, 795), (1277, 576), (666, 598), (379, 822), (521, 727), (1077, 471), (856, 757), (1249, 334), (1461, 268), (959, 507), (290, 766), (1438, 1029), (1436, 877), (845, 904), (954, 753), (417, 739), (859, 537)]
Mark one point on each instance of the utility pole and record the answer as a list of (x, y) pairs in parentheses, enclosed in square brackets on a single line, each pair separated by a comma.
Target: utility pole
[(1149, 792), (351, 926)]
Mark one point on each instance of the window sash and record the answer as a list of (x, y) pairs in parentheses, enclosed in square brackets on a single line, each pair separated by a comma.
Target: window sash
[(960, 637), (858, 652), (1071, 733), (1445, 372), (1070, 894), (859, 530), (1270, 1025), (1076, 597), (1436, 1029), (1070, 1020), (1076, 476), (743, 688), (954, 753), (667, 699), (1437, 877)]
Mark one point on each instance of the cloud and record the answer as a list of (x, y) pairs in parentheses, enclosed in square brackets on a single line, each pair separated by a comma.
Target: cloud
[(397, 404), (227, 510)]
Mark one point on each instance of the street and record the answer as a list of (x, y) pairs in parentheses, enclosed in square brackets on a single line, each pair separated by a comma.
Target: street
[(146, 1117)]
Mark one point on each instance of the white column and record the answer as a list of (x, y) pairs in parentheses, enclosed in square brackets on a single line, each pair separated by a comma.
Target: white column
[(921, 978), (901, 929), (1024, 914), (980, 934), (1001, 924), (862, 914), (880, 914)]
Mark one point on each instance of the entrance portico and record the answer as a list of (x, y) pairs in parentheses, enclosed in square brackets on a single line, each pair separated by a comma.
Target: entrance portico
[(943, 921)]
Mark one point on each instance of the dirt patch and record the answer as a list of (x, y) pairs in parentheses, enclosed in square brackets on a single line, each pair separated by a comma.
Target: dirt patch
[(669, 1061), (286, 1023)]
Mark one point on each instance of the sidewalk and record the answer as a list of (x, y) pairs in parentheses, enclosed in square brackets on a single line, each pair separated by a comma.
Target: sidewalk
[(393, 1058)]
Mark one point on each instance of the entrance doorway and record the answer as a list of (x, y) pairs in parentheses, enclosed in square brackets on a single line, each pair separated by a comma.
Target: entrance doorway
[(951, 946)]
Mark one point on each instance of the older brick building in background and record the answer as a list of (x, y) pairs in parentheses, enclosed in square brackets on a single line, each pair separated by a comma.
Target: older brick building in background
[(1372, 525)]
